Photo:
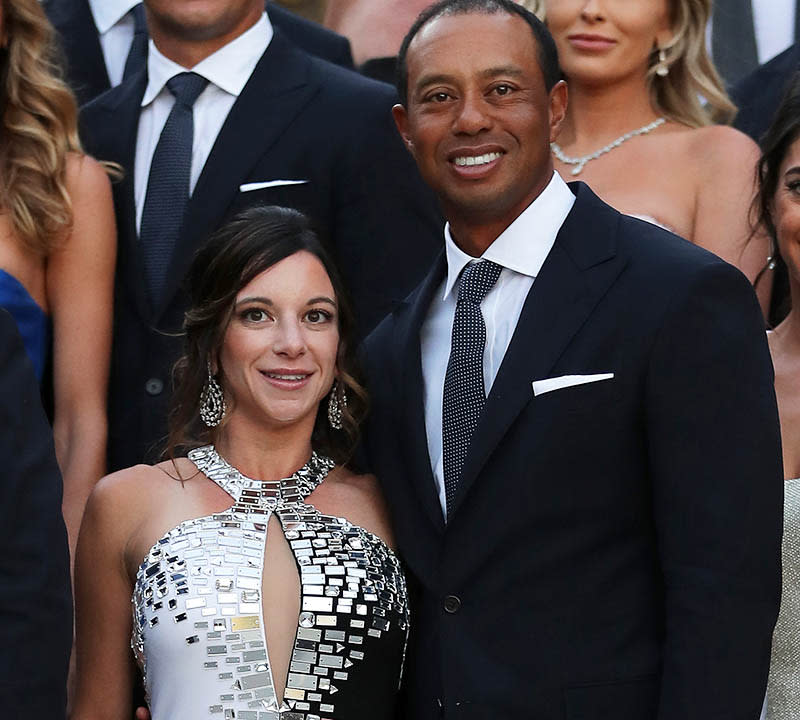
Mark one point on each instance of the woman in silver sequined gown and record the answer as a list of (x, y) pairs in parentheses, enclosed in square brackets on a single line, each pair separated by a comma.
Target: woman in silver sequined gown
[(779, 210), (254, 578)]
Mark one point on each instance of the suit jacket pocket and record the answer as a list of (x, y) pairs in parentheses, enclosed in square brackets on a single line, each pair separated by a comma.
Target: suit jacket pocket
[(630, 699), (585, 397), (299, 197)]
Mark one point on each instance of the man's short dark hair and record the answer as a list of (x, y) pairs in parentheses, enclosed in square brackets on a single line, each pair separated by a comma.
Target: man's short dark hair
[(545, 45)]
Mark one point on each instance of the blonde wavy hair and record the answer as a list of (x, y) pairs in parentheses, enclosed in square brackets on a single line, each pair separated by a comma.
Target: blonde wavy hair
[(692, 76), (39, 128)]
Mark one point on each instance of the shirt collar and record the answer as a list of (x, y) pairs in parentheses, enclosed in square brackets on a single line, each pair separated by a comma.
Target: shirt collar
[(107, 13), (229, 68), (524, 245)]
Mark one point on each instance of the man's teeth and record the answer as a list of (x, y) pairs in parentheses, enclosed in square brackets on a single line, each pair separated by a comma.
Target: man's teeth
[(286, 377), (477, 159)]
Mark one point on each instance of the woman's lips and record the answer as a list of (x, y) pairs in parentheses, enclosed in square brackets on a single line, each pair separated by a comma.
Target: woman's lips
[(286, 379), (591, 43)]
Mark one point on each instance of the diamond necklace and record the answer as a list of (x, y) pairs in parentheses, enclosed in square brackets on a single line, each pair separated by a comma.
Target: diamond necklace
[(579, 162)]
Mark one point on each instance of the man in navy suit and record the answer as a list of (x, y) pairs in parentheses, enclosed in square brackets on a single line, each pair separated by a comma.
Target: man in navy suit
[(86, 66), (572, 419), (273, 125), (35, 597), (758, 95)]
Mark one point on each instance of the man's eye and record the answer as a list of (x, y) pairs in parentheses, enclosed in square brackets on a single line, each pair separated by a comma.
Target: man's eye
[(503, 89), (439, 97)]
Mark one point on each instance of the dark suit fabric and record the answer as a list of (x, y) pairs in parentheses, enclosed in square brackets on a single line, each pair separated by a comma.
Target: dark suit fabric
[(35, 596), (759, 94), (86, 66), (298, 118), (615, 546)]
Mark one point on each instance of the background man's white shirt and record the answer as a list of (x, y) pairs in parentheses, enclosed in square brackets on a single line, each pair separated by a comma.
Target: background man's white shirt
[(227, 71)]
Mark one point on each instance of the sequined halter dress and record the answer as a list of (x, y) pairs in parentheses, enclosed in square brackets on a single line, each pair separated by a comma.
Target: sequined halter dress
[(783, 688), (198, 624)]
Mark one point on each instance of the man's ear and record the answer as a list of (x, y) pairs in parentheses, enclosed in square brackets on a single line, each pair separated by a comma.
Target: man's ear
[(400, 115), (558, 108)]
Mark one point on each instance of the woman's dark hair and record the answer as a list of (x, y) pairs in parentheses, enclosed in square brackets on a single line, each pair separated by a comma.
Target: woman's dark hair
[(252, 242), (783, 131)]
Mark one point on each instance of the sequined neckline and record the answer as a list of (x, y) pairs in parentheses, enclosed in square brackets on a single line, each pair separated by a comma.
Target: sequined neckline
[(269, 494)]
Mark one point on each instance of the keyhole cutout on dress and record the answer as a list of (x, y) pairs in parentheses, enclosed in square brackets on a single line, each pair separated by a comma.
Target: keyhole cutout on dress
[(280, 603)]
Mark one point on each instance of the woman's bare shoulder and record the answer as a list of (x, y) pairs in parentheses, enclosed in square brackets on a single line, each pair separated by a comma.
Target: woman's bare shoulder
[(722, 144), (85, 175), (359, 499), (135, 490)]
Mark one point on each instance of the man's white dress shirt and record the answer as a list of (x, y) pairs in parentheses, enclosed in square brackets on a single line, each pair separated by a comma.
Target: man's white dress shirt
[(114, 22), (227, 71), (773, 22), (520, 250)]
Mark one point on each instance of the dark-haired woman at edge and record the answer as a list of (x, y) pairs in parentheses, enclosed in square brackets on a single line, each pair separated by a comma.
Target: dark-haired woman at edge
[(778, 209), (259, 566)]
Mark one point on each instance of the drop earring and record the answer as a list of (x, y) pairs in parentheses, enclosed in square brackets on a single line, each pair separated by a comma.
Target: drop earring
[(212, 401), (662, 68), (335, 405)]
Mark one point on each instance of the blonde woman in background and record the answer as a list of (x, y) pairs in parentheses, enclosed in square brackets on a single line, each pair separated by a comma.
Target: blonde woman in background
[(637, 130), (57, 247)]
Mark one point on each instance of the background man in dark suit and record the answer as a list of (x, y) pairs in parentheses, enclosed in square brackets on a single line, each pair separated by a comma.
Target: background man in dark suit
[(270, 124), (572, 418), (87, 68), (35, 597), (758, 95)]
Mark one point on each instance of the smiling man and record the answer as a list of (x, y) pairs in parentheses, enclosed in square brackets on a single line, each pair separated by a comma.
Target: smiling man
[(573, 420)]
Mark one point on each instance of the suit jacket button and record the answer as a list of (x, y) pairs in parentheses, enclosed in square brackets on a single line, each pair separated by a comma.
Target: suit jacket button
[(154, 386), (452, 604)]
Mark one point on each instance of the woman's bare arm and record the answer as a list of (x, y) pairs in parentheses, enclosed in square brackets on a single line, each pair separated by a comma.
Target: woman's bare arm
[(80, 284), (103, 602)]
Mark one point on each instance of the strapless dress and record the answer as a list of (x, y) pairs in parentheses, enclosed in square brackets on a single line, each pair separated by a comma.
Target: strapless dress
[(783, 686), (32, 322), (199, 627)]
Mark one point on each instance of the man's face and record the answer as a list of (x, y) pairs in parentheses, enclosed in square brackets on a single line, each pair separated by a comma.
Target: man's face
[(202, 20), (479, 120)]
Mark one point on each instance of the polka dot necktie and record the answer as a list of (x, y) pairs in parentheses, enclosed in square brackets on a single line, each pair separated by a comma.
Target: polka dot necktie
[(464, 394), (168, 182)]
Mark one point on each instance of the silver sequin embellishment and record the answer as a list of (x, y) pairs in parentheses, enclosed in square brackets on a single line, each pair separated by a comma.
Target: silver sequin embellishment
[(205, 576)]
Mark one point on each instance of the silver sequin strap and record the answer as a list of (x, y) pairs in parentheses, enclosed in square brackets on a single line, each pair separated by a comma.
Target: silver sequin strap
[(270, 493)]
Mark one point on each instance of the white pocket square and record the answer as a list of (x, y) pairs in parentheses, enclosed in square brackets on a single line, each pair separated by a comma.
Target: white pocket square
[(247, 187), (540, 387)]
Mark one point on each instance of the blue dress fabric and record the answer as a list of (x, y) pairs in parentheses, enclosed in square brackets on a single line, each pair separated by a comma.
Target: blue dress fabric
[(33, 323)]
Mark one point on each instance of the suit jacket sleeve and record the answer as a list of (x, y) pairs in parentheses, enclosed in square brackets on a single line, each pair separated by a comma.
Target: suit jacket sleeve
[(714, 447), (35, 595)]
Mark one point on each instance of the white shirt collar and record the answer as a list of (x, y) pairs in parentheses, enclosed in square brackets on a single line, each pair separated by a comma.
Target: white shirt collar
[(229, 68), (107, 13), (524, 245)]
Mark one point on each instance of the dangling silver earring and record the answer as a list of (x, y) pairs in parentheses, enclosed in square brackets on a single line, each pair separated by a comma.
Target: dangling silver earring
[(335, 405), (212, 401), (662, 69)]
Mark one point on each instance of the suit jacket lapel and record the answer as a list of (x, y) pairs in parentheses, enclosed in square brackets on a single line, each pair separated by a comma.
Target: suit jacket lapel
[(75, 24), (115, 141), (279, 88), (576, 274), (411, 387)]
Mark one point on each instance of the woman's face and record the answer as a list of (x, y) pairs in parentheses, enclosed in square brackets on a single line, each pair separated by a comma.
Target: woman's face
[(603, 41), (786, 210), (279, 351)]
